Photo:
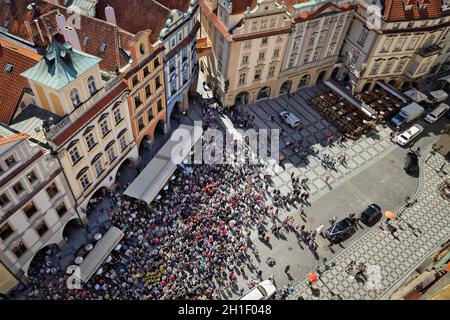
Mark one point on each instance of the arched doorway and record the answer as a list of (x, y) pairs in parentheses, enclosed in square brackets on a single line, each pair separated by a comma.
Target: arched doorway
[(366, 87), (71, 228), (334, 73), (45, 257), (304, 81), (321, 76), (176, 114), (286, 87), (264, 93), (241, 98), (406, 85), (145, 145), (345, 78)]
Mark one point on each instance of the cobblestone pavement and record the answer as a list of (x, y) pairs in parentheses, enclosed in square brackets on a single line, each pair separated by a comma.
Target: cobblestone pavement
[(423, 227), (361, 153)]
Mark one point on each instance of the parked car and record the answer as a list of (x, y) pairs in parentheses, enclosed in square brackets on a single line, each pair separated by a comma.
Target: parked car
[(409, 135), (411, 162), (437, 113), (290, 119), (340, 230), (371, 214), (262, 291)]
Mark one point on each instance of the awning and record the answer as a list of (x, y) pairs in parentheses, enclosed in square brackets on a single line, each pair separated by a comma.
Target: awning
[(415, 95), (362, 107), (156, 174), (392, 90), (99, 253)]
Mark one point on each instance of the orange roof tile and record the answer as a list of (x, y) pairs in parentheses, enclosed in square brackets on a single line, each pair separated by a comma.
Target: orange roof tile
[(394, 10), (12, 83)]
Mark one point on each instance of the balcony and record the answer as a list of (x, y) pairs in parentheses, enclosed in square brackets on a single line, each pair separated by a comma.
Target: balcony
[(429, 51)]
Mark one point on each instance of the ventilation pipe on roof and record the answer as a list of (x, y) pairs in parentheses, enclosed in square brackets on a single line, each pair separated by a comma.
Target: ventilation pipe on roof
[(71, 36), (110, 15), (61, 21)]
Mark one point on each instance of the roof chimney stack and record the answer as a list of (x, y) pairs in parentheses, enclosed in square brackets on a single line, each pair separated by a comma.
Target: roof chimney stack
[(110, 15), (71, 36)]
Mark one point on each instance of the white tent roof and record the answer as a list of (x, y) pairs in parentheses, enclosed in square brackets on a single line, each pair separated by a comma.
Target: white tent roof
[(415, 95), (156, 174), (392, 90), (99, 253)]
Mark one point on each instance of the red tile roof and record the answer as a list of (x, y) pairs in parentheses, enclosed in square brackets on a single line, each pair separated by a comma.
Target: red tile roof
[(394, 10), (303, 16), (240, 6), (12, 83), (91, 113)]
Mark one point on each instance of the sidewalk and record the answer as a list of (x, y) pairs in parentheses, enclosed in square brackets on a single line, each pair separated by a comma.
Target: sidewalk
[(424, 227)]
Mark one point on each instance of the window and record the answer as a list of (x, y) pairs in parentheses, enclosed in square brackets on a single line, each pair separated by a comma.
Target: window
[(98, 167), (321, 39), (5, 231), (429, 41), (74, 155), (304, 81), (137, 101), (9, 68), (42, 228), (242, 77), (29, 210), (386, 45), (91, 85), (412, 69), (355, 58), (146, 72), (148, 91), (412, 44), (312, 40), (264, 40), (375, 68), (271, 71), (254, 25), (18, 188), (316, 55), (75, 97), (103, 47), (157, 83), (61, 209), (262, 55), (264, 24), (159, 105), (276, 53), (257, 74), (19, 250), (150, 116), (248, 44), (52, 190), (90, 141), (307, 56), (123, 140), (244, 59), (141, 124), (400, 65), (156, 63), (84, 181), (273, 22), (111, 154), (4, 200), (399, 44), (363, 37), (85, 40), (388, 66), (296, 44), (105, 128), (31, 177), (117, 116), (135, 81), (326, 22), (330, 50), (10, 161)]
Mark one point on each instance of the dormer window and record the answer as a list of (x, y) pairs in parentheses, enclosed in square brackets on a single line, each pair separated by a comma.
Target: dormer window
[(85, 40), (141, 48), (75, 97), (103, 47), (9, 68), (6, 24)]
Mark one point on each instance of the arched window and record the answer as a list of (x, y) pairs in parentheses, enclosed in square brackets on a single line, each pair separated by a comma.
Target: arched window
[(91, 85), (304, 81), (75, 97)]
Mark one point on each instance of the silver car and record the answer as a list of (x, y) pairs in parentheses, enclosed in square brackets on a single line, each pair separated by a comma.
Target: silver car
[(290, 119)]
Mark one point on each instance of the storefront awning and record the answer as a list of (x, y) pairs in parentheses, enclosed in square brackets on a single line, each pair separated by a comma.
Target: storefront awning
[(163, 165), (99, 253), (392, 91), (415, 95)]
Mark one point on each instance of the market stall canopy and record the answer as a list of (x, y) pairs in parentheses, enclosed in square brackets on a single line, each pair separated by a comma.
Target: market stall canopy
[(392, 90), (156, 174), (415, 95), (99, 253), (342, 92)]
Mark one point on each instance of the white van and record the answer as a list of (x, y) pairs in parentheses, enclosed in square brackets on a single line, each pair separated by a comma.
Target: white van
[(434, 115), (437, 96), (407, 136)]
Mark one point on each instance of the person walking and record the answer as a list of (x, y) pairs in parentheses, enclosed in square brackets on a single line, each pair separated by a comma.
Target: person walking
[(327, 179), (319, 230), (333, 220), (287, 268)]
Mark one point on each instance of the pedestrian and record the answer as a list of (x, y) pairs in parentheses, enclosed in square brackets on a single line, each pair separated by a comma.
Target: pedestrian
[(287, 268), (319, 230), (333, 220)]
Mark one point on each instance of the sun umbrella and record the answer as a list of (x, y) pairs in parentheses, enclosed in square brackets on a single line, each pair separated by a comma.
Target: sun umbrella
[(389, 214), (312, 277)]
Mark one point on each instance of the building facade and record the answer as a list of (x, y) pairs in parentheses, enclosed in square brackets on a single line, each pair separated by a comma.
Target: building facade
[(94, 135), (35, 201), (400, 48)]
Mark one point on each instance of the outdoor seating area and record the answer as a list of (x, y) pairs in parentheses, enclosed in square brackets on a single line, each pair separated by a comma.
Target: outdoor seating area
[(344, 115), (382, 101)]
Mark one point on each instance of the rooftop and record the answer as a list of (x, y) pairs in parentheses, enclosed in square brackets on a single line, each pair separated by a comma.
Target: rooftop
[(60, 66)]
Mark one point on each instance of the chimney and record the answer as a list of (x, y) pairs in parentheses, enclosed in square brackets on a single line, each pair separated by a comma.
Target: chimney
[(61, 21), (110, 15), (71, 36)]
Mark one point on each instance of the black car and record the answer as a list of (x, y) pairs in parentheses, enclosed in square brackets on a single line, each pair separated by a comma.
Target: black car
[(340, 230), (412, 163), (371, 215)]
